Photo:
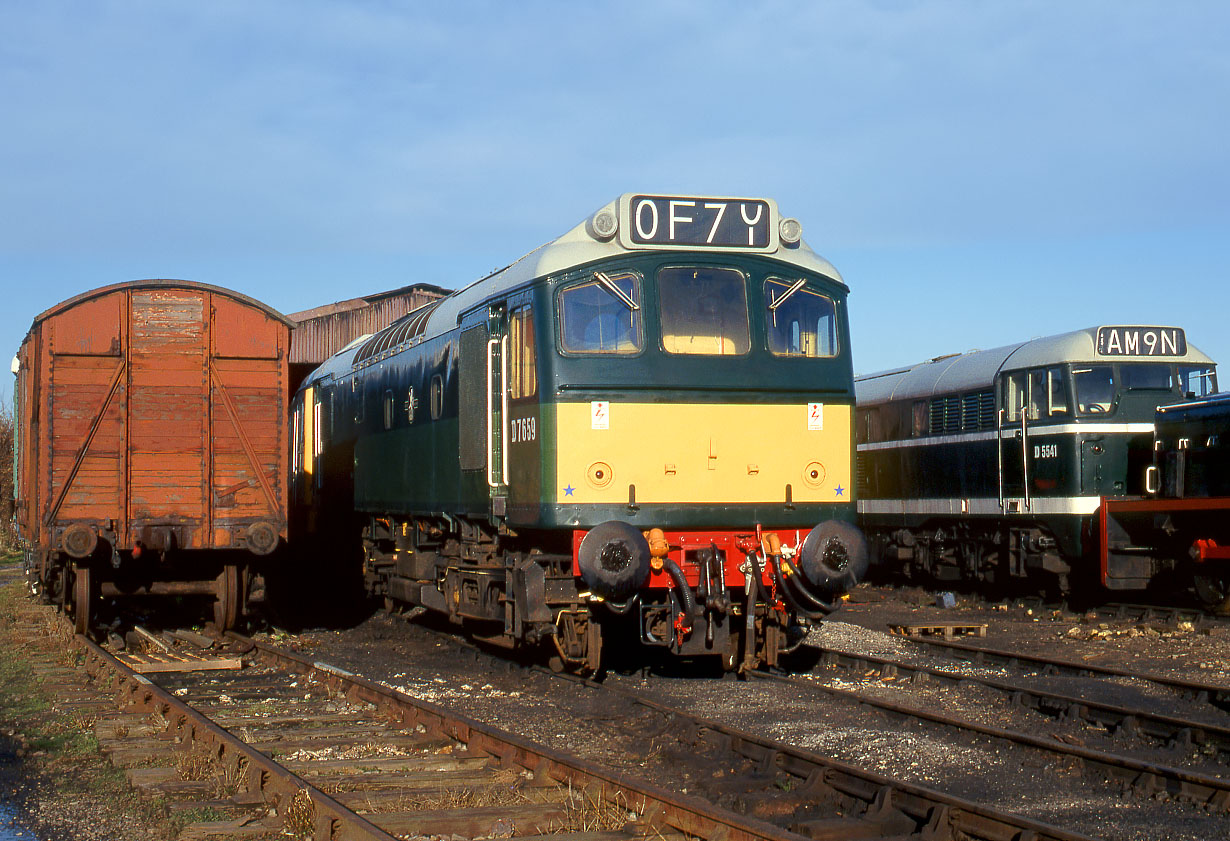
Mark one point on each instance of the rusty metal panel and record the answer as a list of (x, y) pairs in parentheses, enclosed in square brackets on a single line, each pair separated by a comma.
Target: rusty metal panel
[(249, 440), (85, 403), (241, 332), (154, 411), (89, 329), (82, 413)]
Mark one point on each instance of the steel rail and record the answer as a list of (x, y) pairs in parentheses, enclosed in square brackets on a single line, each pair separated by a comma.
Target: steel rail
[(1171, 615), (1113, 718), (1146, 777), (265, 780), (1198, 691)]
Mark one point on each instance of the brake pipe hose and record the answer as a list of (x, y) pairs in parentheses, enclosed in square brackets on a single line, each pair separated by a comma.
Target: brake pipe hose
[(685, 591), (800, 599)]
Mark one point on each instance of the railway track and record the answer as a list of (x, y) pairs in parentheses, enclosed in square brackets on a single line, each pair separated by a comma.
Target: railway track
[(340, 757), (1145, 777), (337, 756), (1167, 614), (1197, 691)]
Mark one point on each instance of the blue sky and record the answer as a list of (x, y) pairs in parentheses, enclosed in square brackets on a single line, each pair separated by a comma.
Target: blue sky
[(979, 172)]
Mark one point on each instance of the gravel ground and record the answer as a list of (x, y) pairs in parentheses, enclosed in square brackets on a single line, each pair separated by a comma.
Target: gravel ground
[(1028, 782), (402, 654)]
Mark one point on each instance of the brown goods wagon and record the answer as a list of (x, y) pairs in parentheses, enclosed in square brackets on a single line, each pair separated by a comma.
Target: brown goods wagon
[(151, 445)]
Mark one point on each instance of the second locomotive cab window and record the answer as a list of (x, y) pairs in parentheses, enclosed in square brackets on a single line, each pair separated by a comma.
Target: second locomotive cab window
[(704, 310), (1095, 389), (1197, 382), (1043, 393), (602, 315), (1146, 377), (800, 321)]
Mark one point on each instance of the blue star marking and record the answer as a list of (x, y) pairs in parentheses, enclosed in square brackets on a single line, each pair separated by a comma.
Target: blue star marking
[(568, 490), (839, 490)]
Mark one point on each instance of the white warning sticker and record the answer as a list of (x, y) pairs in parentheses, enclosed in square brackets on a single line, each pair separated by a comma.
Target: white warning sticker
[(815, 416), (600, 414)]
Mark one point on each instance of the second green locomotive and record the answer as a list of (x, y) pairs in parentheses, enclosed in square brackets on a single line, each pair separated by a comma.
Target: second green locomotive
[(641, 431), (996, 466)]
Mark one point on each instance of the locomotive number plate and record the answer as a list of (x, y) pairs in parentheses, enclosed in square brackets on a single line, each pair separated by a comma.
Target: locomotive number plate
[(1141, 341), (692, 221)]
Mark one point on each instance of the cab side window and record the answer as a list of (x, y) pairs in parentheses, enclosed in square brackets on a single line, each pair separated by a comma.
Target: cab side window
[(1057, 393), (522, 370), (1042, 393), (1016, 387), (1037, 395)]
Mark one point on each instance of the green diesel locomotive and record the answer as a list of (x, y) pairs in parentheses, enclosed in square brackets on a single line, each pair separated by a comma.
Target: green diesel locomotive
[(997, 466), (640, 432)]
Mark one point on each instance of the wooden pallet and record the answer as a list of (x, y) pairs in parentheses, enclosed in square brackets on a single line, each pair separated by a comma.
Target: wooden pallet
[(947, 630), (178, 661)]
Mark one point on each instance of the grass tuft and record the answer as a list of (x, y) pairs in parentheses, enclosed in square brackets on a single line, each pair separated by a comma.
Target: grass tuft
[(299, 817)]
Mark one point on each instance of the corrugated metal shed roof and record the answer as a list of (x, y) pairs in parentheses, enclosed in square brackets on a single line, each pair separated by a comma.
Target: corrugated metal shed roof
[(323, 331)]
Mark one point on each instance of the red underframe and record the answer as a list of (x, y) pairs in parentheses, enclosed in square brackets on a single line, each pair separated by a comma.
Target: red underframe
[(1207, 550), (732, 543)]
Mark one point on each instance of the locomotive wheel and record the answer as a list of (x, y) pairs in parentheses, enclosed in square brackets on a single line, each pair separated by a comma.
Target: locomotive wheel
[(1213, 590), (83, 592), (226, 603), (578, 644)]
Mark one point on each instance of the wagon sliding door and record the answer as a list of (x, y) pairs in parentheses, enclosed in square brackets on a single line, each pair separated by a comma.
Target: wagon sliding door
[(206, 431), (168, 416)]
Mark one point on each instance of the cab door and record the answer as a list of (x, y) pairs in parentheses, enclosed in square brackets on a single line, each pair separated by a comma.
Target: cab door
[(483, 406), (1013, 443), (524, 455)]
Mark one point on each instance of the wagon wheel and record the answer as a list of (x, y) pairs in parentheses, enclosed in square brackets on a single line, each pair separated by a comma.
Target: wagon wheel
[(227, 592), (83, 592)]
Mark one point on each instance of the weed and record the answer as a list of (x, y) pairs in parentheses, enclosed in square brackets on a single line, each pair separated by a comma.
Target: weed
[(587, 811), (195, 766), (299, 817), (233, 779)]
